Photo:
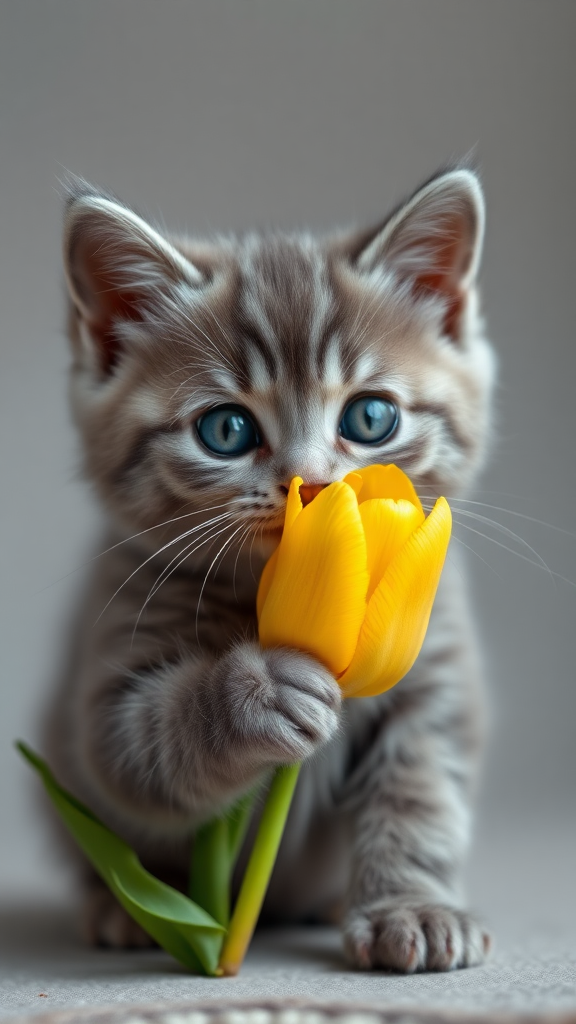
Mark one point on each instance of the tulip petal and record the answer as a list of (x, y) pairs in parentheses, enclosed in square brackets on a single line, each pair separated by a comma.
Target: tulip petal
[(385, 482), (387, 526), (397, 617), (354, 480), (317, 598), (293, 502), (293, 509)]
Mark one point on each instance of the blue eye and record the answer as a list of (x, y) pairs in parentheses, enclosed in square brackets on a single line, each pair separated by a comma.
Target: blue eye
[(369, 420), (228, 430)]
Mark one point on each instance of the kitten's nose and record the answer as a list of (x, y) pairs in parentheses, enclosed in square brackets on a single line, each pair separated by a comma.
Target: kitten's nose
[(309, 491)]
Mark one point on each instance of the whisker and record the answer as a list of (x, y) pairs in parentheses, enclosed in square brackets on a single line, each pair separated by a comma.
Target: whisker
[(134, 536), (494, 524), (251, 550), (220, 327), (508, 511), (165, 571), (154, 554), (173, 391), (478, 555), (428, 508), (167, 522), (203, 587), (243, 538), (502, 529), (221, 355), (164, 575), (538, 564), (224, 546)]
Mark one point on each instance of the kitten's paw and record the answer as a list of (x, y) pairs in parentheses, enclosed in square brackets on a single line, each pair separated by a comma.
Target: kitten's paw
[(408, 938), (282, 704), (106, 923)]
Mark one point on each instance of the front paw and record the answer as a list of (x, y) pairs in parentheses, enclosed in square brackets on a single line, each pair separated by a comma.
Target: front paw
[(282, 705), (408, 938)]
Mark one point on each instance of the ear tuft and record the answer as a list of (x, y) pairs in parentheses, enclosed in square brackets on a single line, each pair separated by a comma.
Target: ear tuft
[(117, 266), (434, 242)]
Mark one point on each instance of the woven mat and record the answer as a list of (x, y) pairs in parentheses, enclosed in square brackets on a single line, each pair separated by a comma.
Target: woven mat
[(279, 1012)]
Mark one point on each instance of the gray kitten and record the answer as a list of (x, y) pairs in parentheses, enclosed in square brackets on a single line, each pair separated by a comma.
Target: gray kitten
[(205, 376)]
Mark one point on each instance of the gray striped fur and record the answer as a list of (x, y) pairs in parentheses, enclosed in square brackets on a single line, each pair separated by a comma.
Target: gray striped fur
[(169, 710)]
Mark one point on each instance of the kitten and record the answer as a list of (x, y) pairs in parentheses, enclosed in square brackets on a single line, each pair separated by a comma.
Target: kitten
[(205, 375)]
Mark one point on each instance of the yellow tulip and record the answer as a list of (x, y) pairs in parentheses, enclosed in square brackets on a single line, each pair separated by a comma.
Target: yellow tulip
[(352, 582), (354, 577)]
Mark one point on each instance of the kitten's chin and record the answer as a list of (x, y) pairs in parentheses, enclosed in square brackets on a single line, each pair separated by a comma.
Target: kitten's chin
[(268, 540)]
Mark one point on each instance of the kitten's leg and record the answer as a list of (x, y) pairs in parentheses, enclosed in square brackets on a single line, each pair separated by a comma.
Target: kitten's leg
[(166, 748), (176, 742), (411, 832)]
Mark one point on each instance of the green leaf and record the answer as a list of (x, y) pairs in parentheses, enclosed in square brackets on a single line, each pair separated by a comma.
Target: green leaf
[(216, 847), (177, 924), (209, 883)]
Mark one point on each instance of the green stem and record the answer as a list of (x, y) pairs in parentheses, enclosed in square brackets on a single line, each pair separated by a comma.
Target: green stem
[(259, 870)]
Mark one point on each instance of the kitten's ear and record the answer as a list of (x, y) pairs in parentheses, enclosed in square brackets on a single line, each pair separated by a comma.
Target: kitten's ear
[(434, 242), (117, 268)]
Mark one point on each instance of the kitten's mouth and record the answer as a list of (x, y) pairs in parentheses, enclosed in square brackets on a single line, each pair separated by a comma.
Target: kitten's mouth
[(272, 532)]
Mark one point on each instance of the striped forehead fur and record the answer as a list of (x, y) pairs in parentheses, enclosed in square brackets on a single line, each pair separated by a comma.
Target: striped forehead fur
[(284, 304)]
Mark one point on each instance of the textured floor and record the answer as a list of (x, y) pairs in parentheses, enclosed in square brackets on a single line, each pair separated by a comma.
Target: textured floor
[(523, 880)]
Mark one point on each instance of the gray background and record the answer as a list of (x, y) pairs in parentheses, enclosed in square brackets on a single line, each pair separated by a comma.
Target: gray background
[(220, 115)]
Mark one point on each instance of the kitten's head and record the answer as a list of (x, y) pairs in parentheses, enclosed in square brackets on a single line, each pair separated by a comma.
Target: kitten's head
[(207, 374)]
